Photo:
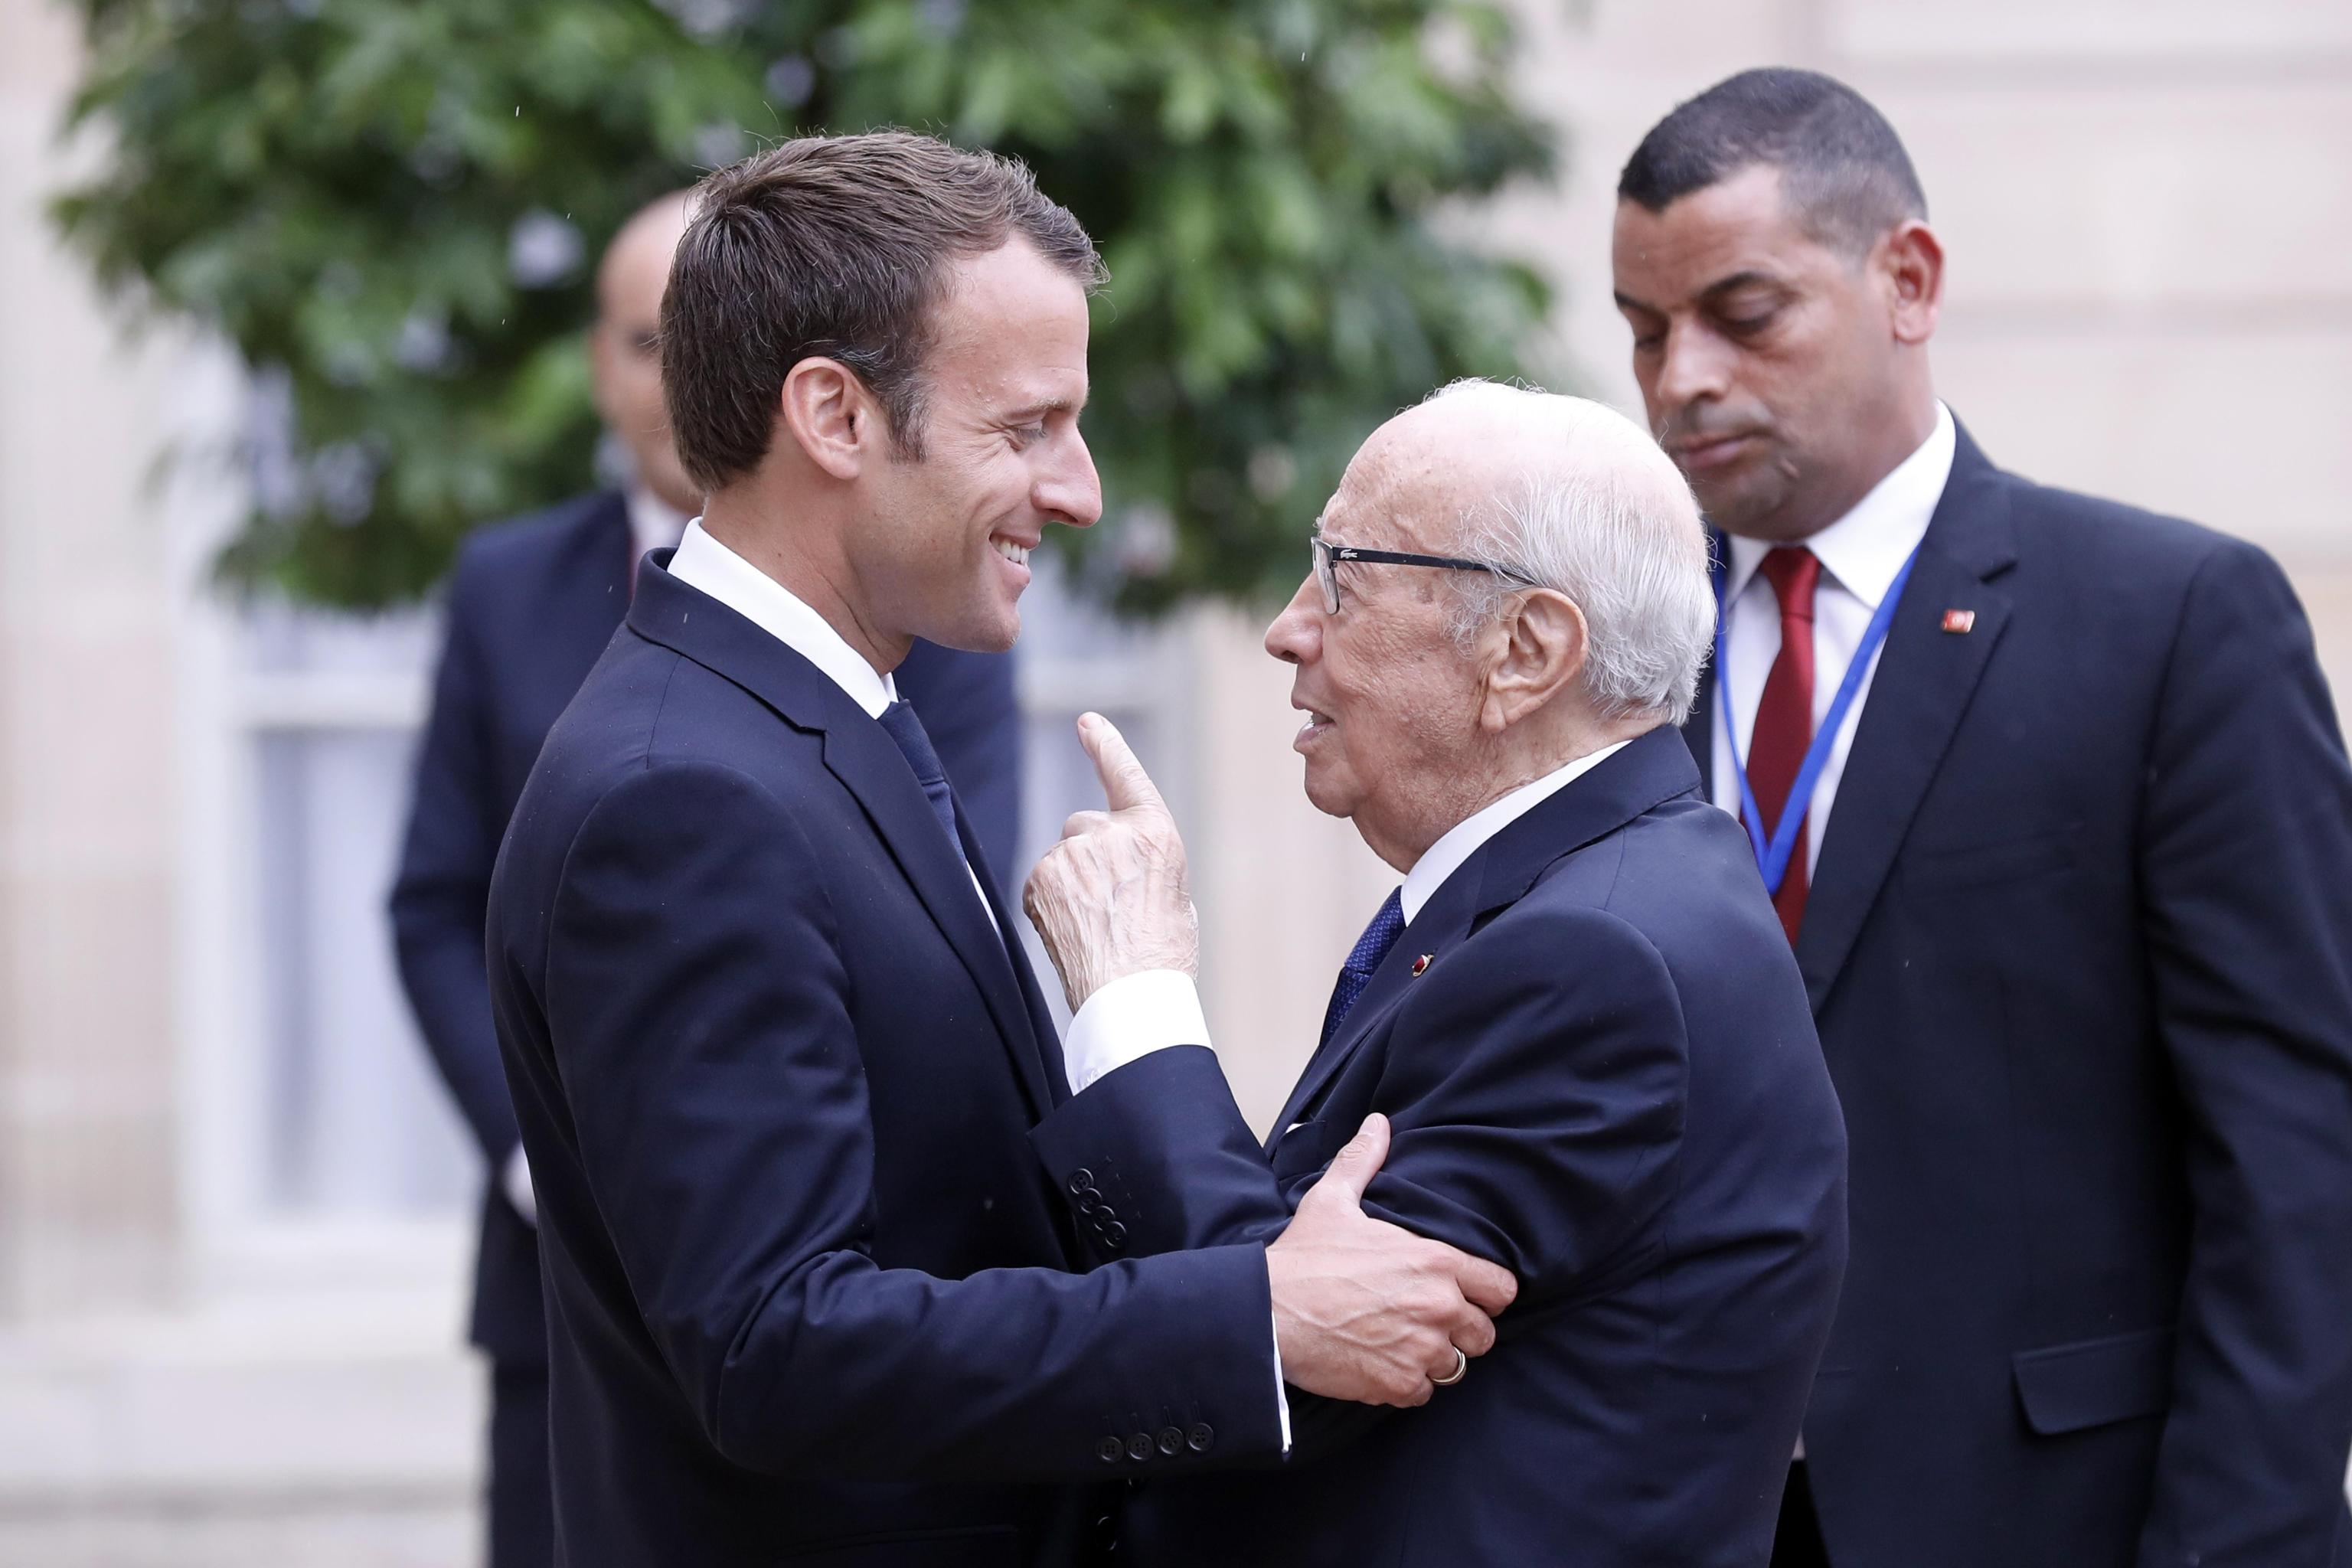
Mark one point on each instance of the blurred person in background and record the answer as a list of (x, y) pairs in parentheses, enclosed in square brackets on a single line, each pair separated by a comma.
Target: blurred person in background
[(2056, 813), (1577, 1014), (531, 604)]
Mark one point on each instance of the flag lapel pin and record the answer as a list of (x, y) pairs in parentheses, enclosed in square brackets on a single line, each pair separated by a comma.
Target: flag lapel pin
[(1422, 962), (1959, 622)]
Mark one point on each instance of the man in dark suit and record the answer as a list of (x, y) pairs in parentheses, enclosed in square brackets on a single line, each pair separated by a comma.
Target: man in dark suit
[(530, 606), (1577, 1016), (2060, 828), (776, 1061)]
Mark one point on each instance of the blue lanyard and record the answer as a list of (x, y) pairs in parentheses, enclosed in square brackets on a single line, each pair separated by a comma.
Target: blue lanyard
[(1773, 858)]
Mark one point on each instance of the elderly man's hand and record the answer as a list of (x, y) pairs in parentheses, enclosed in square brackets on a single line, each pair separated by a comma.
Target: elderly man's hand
[(1366, 1311), (1111, 898)]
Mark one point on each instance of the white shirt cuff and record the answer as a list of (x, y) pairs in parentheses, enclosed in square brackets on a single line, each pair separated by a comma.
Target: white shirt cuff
[(1128, 1019), (514, 1181)]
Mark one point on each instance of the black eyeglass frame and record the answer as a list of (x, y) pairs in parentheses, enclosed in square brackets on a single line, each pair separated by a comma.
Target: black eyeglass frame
[(1326, 555)]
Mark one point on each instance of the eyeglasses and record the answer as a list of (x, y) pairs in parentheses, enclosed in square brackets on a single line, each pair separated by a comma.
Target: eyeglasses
[(1327, 577)]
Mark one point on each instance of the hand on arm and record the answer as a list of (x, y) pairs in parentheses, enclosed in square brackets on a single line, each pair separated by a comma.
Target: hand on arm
[(1366, 1312)]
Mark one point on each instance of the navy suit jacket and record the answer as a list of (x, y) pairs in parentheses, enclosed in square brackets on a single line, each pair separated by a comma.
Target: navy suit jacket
[(2077, 945), (530, 606), (1594, 1050), (808, 1289)]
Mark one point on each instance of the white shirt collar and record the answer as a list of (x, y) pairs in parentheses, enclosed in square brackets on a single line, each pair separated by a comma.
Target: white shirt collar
[(1463, 838), (703, 562), (654, 524), (1864, 549)]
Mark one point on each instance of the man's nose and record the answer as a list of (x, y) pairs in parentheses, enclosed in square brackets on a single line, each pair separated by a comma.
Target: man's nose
[(1070, 490), (1296, 634), (1694, 364)]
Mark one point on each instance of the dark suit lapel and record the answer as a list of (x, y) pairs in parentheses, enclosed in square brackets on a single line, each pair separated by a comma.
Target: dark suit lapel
[(863, 756), (860, 753), (1925, 677), (1651, 768), (1041, 1016)]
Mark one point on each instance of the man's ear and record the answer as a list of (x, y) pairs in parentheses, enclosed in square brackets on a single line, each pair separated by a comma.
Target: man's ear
[(1538, 648), (1911, 260), (827, 411)]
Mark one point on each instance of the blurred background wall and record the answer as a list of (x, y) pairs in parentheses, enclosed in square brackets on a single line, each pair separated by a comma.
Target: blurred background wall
[(232, 1203)]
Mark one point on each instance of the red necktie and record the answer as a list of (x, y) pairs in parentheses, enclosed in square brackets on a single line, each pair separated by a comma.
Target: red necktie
[(1784, 716)]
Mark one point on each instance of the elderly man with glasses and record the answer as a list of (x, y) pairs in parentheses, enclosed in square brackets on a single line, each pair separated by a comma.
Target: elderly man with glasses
[(1576, 1029)]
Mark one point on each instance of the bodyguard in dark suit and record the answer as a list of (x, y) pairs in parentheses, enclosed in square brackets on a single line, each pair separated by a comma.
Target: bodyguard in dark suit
[(1578, 1016), (530, 606), (2070, 885), (775, 1057)]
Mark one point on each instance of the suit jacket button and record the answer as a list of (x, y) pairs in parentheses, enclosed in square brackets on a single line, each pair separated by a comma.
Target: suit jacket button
[(1088, 1203), (1109, 1449), (1080, 1181), (1114, 1234), (1140, 1446), (1172, 1441), (1200, 1438)]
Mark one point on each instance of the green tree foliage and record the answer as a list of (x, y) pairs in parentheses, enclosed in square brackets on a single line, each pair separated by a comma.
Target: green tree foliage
[(393, 208)]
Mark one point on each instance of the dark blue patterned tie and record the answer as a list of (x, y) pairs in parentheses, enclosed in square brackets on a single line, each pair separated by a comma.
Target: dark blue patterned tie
[(907, 730), (1356, 973)]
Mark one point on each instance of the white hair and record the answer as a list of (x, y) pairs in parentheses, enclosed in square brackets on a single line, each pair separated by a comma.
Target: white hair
[(1608, 522)]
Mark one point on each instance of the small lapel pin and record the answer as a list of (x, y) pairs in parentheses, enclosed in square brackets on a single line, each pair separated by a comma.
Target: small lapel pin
[(1423, 962), (1959, 622)]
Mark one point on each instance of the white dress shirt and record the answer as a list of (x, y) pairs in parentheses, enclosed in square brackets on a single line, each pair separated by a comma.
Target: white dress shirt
[(703, 562), (1860, 554)]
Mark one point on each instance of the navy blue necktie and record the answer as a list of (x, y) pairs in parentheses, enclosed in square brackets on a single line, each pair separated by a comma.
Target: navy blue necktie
[(1356, 973), (899, 721)]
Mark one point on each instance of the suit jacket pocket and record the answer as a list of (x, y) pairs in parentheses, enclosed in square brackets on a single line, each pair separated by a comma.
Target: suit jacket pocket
[(2066, 1388), (1942, 868)]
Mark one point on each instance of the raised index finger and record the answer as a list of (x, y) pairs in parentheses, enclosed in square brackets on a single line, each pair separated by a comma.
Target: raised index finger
[(1125, 783)]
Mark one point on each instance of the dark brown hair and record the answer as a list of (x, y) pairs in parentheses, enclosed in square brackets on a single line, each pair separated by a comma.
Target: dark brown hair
[(832, 247)]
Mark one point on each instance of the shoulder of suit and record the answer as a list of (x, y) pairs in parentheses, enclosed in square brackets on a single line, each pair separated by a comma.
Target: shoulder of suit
[(1569, 903), (537, 540), (2152, 546), (1662, 875), (1554, 942)]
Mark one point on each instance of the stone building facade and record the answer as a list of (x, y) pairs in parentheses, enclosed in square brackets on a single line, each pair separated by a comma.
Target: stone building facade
[(226, 1340)]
